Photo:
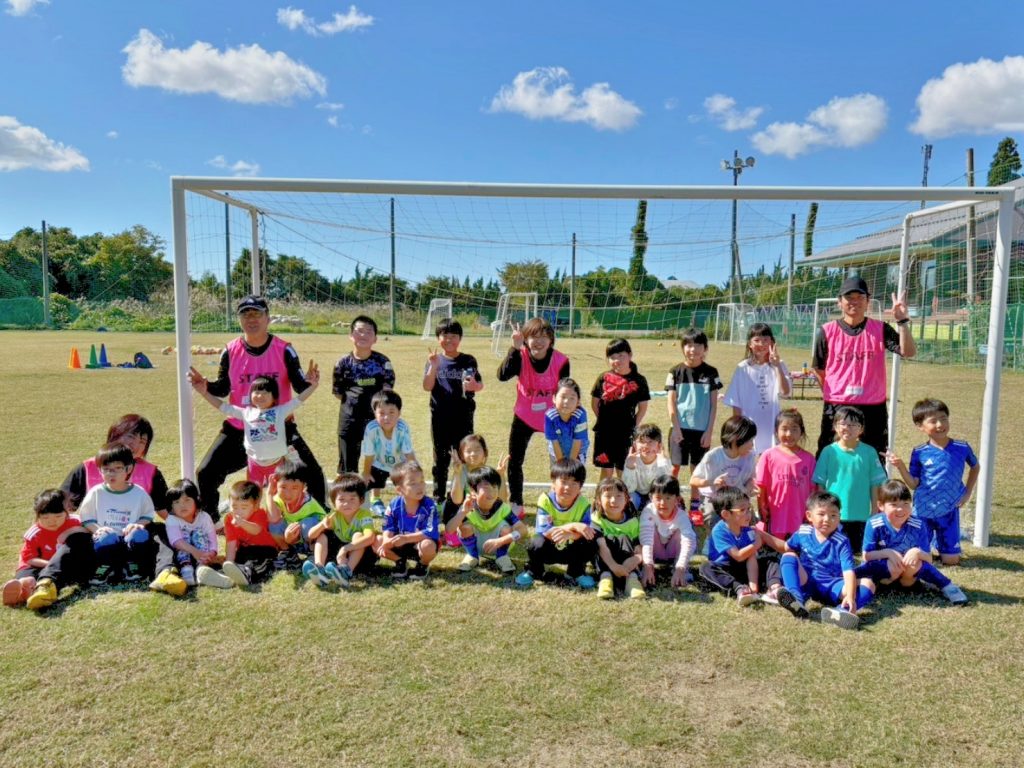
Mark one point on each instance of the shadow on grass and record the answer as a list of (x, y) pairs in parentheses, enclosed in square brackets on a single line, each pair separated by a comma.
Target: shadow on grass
[(1006, 540), (984, 560), (71, 596)]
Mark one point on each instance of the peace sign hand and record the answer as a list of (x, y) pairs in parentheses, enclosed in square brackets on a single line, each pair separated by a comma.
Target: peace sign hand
[(899, 307), (517, 336), (433, 357)]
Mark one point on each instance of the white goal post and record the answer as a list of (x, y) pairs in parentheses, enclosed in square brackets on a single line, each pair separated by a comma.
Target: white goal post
[(732, 329), (439, 310), (247, 194), (513, 308)]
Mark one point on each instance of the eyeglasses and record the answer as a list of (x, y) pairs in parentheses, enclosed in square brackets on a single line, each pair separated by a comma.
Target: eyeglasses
[(113, 469)]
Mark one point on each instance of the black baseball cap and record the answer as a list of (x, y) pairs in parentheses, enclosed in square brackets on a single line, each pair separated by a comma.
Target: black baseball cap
[(253, 302), (854, 285)]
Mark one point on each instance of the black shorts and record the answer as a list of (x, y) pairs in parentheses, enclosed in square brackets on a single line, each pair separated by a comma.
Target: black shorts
[(378, 478), (610, 450), (688, 451)]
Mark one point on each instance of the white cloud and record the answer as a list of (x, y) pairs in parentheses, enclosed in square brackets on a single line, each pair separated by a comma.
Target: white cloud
[(112, 134), (547, 93), (849, 121), (333, 121), (671, 103), (333, 106), (22, 146), (23, 7), (722, 109), (247, 73), (296, 18), (981, 97), (237, 168)]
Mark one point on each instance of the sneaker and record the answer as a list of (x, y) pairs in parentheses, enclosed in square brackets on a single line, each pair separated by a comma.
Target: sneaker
[(771, 597), (188, 575), (585, 582), (745, 597), (334, 574), (839, 618), (44, 596), (505, 565), (287, 560), (315, 574), (606, 588), (954, 594), (524, 579), (634, 588), (170, 582), (401, 570), (468, 563), (346, 572), (101, 576), (419, 572), (12, 593), (791, 603), (452, 540), (378, 508), (210, 577), (236, 573)]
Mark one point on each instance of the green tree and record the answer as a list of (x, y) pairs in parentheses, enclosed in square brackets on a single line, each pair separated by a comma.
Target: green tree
[(524, 276), (129, 265), (638, 234), (1005, 163)]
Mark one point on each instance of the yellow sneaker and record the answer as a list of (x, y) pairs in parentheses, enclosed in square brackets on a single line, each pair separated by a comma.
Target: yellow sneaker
[(606, 587), (44, 596), (634, 588), (170, 582)]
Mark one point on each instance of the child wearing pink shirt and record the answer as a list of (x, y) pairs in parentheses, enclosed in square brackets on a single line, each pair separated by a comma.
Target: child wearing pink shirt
[(783, 477)]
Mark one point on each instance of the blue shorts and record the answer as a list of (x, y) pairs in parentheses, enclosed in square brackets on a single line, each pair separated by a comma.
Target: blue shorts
[(946, 532), (876, 570), (830, 592)]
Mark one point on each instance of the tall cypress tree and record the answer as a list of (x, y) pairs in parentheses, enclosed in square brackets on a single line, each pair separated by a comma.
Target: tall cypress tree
[(1005, 163)]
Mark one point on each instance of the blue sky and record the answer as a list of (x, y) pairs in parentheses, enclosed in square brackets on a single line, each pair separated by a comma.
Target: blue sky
[(101, 102)]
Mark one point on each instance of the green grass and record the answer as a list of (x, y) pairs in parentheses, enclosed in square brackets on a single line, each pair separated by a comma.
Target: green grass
[(464, 670)]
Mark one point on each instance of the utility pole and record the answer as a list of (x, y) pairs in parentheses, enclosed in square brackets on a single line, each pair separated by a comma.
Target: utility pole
[(46, 279), (737, 166)]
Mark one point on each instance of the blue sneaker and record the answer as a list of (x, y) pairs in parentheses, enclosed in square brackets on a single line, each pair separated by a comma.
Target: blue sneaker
[(585, 582), (315, 573), (524, 579), (335, 574), (346, 572)]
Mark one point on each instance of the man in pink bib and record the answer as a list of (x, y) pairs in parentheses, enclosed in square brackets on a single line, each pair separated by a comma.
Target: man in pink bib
[(849, 361), (255, 353)]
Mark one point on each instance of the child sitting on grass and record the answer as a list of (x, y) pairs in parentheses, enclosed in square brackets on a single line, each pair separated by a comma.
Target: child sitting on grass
[(617, 536), (387, 442), (733, 563), (251, 549), (292, 512), (410, 524), (485, 524), (191, 533), (49, 534), (471, 454), (897, 546), (666, 533), (818, 563), (732, 463), (562, 533), (345, 537)]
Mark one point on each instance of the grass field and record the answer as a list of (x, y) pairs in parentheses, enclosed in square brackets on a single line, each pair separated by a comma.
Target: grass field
[(465, 670)]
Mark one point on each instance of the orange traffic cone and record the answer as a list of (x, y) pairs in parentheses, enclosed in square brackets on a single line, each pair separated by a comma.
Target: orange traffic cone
[(74, 363)]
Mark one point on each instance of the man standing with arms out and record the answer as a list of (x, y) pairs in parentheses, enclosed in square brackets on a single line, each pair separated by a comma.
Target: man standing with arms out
[(849, 361), (255, 353)]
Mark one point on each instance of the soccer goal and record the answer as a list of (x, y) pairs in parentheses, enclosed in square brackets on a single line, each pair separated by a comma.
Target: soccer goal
[(439, 310), (732, 321), (827, 308), (513, 309), (326, 251)]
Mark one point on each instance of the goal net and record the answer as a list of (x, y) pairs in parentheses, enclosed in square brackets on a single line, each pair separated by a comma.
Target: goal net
[(514, 309), (732, 321), (439, 310)]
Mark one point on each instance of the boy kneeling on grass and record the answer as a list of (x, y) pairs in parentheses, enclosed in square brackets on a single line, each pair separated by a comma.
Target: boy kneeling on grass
[(410, 524), (486, 525), (345, 538), (818, 563), (562, 533)]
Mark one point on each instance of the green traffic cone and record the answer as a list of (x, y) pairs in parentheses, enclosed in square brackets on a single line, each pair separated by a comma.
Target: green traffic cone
[(92, 357)]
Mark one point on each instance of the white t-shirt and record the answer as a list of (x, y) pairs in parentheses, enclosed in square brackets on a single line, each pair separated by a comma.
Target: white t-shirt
[(738, 471), (754, 389), (640, 478), (116, 509), (265, 441), (200, 533), (387, 451)]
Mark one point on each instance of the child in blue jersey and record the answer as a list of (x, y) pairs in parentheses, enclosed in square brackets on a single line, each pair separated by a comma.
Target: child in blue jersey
[(850, 469), (936, 476), (562, 534), (565, 425), (818, 563), (897, 546), (486, 525), (617, 536), (387, 442), (734, 564), (410, 524)]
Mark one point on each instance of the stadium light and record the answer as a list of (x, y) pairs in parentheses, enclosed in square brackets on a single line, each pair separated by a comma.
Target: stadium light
[(736, 166)]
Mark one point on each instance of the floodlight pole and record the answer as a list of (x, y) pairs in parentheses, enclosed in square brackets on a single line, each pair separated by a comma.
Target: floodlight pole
[(737, 166)]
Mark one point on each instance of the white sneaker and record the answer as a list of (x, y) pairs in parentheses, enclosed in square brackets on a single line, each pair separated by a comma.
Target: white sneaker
[(209, 577), (745, 597), (468, 563), (505, 565), (837, 617), (771, 596), (954, 594)]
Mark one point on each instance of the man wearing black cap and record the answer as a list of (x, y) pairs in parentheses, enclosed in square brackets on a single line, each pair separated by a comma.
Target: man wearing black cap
[(256, 353), (849, 361)]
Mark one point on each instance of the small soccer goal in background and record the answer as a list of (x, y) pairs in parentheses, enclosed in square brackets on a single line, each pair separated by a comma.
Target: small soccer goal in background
[(439, 310), (513, 308), (732, 322), (827, 308)]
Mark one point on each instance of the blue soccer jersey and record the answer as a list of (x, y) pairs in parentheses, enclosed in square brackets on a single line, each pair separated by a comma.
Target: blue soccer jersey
[(825, 560), (565, 433), (723, 539), (940, 474), (397, 521), (879, 534)]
